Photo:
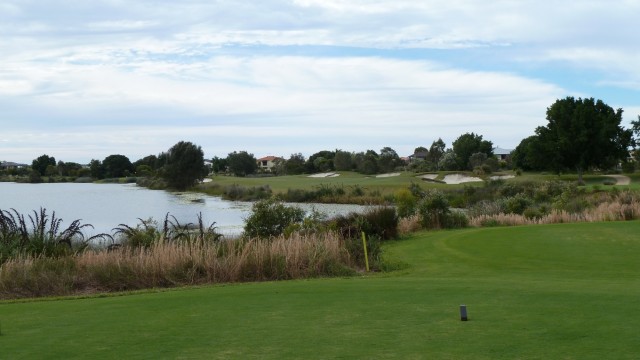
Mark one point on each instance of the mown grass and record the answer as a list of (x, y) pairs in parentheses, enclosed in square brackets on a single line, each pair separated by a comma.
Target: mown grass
[(372, 189), (377, 188), (564, 291)]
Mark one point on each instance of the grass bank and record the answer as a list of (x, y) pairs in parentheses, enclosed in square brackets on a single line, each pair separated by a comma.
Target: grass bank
[(565, 291)]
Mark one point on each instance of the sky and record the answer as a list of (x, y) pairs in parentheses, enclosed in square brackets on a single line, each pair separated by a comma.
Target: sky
[(82, 80)]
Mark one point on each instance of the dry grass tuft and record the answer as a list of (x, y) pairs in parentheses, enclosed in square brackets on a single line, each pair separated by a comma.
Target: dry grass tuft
[(409, 225)]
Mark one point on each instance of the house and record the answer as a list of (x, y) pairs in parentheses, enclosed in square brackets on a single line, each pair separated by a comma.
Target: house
[(268, 162), (502, 154), (418, 156), (6, 165)]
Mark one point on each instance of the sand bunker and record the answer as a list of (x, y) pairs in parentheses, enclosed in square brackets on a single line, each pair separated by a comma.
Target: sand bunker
[(428, 176), (454, 179), (324, 175), (502, 177), (387, 175)]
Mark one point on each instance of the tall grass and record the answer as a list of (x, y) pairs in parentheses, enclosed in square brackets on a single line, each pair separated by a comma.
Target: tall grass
[(616, 210), (169, 264)]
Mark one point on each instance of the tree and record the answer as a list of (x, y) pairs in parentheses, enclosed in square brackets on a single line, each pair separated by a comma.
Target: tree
[(388, 160), (242, 163), (583, 134), (320, 162), (529, 155), (343, 161), (41, 163), (295, 165), (151, 161), (366, 163), (218, 165), (68, 168), (96, 168), (436, 151), (467, 145), (448, 161), (184, 166), (116, 166)]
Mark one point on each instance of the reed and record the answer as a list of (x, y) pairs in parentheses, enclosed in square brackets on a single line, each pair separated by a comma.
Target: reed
[(170, 264)]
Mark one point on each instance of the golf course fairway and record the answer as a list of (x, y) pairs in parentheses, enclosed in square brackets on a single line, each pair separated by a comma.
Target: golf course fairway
[(567, 291)]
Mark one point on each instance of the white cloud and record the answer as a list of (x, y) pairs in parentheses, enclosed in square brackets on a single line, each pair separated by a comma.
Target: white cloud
[(285, 73)]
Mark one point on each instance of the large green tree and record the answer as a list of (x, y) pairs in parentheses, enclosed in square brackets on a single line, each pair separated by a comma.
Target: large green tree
[(242, 163), (184, 165), (116, 166), (388, 160), (321, 161), (529, 155), (467, 145), (343, 161), (582, 134), (41, 163)]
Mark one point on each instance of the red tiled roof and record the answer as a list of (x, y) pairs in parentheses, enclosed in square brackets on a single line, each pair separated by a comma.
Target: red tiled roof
[(269, 158)]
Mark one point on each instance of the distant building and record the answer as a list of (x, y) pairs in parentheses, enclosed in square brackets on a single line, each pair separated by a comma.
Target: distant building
[(6, 165), (502, 154), (268, 162), (418, 156)]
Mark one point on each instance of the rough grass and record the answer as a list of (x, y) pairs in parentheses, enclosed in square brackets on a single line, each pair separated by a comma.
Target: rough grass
[(564, 291)]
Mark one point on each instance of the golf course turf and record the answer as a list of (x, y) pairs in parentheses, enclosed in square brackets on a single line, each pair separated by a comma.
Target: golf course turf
[(567, 291)]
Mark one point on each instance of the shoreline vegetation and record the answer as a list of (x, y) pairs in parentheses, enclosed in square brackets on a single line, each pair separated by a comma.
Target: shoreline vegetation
[(38, 258)]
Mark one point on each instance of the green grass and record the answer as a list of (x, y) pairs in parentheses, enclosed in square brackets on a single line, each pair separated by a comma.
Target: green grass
[(565, 291), (388, 185), (347, 180)]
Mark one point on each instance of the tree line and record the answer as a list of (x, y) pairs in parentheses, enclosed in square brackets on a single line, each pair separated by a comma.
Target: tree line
[(580, 135)]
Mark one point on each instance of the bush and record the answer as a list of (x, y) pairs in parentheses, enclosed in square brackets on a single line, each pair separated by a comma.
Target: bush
[(517, 204), (240, 193), (456, 220), (270, 218), (406, 203), (433, 210), (380, 222)]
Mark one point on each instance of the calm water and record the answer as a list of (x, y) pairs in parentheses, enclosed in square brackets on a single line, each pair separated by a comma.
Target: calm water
[(105, 206)]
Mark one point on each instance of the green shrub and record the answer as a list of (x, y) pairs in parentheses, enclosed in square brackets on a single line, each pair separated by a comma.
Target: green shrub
[(270, 218), (381, 222), (406, 203), (433, 209), (143, 235), (456, 220), (240, 193), (517, 204)]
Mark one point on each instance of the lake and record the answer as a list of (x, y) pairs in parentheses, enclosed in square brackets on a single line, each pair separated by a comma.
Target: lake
[(105, 206)]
